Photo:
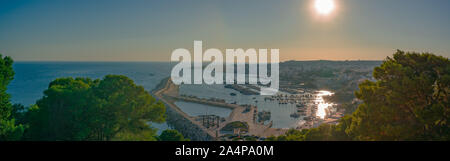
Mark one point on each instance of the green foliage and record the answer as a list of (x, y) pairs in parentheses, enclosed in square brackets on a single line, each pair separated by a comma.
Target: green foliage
[(145, 135), (348, 108), (9, 130), (324, 132), (291, 135), (250, 138), (63, 111), (409, 101), (171, 135), (243, 126), (83, 109)]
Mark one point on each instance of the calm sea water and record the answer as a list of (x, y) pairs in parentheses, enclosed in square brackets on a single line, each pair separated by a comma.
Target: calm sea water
[(194, 109)]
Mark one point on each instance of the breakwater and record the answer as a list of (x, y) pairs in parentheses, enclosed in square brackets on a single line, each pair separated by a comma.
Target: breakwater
[(176, 118)]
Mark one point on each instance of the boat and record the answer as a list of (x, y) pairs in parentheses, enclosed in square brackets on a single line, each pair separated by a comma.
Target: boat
[(295, 115)]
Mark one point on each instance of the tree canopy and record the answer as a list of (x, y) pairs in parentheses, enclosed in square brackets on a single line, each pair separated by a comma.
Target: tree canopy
[(409, 100), (171, 135), (9, 130), (113, 108)]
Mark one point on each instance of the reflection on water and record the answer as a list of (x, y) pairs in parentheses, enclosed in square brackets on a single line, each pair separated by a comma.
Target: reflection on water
[(322, 106)]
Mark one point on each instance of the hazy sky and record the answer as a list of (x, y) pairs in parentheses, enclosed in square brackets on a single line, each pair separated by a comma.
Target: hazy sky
[(131, 30)]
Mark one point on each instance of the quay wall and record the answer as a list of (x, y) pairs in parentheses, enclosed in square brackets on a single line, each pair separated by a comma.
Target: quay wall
[(186, 126), (179, 120)]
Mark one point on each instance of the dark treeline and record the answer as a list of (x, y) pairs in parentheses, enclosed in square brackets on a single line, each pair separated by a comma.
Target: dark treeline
[(113, 108), (408, 101)]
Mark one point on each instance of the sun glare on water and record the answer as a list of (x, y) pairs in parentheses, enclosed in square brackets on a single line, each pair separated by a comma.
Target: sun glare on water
[(321, 104), (324, 7)]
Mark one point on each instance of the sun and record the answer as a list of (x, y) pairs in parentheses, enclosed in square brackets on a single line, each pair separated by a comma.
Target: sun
[(324, 7)]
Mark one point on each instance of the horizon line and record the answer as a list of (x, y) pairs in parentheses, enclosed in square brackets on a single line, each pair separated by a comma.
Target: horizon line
[(138, 61)]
